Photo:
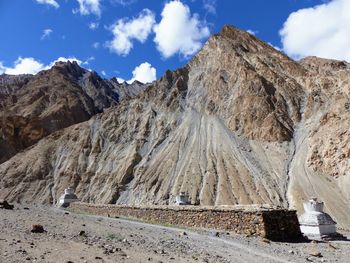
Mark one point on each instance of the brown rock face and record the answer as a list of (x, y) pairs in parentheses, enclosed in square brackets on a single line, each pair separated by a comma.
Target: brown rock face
[(240, 124)]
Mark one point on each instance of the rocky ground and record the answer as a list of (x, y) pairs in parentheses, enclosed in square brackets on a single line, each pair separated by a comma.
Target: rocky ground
[(70, 237)]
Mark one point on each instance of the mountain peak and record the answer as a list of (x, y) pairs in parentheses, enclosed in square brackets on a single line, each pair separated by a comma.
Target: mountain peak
[(71, 68), (66, 63), (231, 31)]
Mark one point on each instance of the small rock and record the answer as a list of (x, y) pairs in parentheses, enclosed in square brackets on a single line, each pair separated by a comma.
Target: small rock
[(82, 233), (5, 205), (291, 252), (316, 254), (214, 234), (37, 229), (265, 240), (333, 247)]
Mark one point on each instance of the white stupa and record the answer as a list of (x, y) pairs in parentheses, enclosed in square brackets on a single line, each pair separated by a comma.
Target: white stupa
[(67, 198), (314, 222), (182, 199)]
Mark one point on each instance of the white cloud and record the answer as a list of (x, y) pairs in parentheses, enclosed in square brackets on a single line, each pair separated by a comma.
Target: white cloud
[(46, 33), (123, 2), (178, 31), (323, 31), (103, 73), (87, 7), (144, 73), (32, 66), (87, 61), (252, 32), (210, 6), (94, 25), (275, 47), (96, 45), (49, 2), (24, 66), (124, 31)]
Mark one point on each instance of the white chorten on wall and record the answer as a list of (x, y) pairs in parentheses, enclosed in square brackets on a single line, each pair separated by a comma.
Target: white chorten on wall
[(67, 198), (314, 222)]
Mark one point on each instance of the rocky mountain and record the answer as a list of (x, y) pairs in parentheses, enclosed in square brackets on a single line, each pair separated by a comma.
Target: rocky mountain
[(241, 123), (32, 107)]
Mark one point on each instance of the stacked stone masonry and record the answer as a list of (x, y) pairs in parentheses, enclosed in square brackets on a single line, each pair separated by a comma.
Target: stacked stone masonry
[(273, 224)]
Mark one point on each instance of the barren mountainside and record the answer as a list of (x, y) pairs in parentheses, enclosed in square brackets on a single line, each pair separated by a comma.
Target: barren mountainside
[(241, 123), (32, 107)]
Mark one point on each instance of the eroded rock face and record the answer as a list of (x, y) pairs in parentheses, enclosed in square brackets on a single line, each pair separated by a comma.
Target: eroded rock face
[(240, 124), (248, 84)]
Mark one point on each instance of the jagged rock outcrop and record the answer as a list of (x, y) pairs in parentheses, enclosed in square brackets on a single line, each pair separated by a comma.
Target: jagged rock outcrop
[(126, 90), (241, 123)]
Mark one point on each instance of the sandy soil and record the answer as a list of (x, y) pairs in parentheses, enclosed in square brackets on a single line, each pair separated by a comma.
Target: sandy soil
[(120, 240)]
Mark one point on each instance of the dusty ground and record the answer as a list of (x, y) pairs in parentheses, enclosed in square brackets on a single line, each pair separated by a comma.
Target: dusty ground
[(119, 240)]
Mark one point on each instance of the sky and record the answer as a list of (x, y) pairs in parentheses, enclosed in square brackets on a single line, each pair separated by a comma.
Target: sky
[(141, 39)]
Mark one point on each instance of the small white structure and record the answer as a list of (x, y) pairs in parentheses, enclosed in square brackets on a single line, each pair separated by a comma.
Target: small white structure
[(67, 198), (182, 199), (314, 222)]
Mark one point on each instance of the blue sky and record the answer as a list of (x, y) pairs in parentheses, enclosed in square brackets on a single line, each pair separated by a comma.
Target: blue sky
[(45, 30)]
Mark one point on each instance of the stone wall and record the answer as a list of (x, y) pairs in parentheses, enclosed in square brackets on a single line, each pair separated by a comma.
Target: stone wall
[(274, 224)]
